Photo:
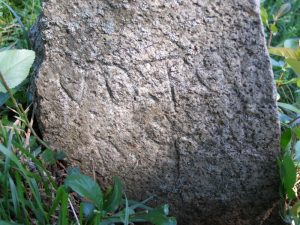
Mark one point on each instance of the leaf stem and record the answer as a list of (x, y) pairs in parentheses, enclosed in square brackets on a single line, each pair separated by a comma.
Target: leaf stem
[(270, 39)]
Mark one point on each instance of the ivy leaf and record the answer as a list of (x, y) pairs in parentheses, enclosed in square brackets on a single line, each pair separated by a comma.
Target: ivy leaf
[(15, 66)]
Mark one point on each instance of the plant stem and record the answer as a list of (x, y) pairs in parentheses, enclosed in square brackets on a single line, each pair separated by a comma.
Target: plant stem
[(270, 39), (10, 93), (73, 211), (21, 111), (294, 120)]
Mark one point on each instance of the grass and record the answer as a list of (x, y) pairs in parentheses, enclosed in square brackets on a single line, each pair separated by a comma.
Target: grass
[(11, 31), (29, 191)]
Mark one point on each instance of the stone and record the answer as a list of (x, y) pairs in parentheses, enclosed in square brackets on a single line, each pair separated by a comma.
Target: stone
[(176, 97)]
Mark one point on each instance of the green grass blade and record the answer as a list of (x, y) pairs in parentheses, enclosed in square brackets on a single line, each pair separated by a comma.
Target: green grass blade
[(64, 212), (81, 214), (37, 163), (58, 198), (14, 196), (113, 200), (2, 222), (3, 212), (21, 193), (25, 33)]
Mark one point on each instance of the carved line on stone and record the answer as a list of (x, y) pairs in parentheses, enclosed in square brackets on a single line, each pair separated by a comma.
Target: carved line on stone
[(169, 57), (172, 90), (118, 149), (67, 92), (202, 82), (109, 91), (153, 97)]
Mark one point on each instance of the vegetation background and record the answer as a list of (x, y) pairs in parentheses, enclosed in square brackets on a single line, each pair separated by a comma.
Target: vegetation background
[(36, 187)]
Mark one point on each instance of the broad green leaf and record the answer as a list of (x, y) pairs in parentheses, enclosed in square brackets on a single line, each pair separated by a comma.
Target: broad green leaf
[(60, 155), (284, 9), (64, 211), (298, 82), (113, 200), (264, 16), (285, 52), (289, 107), (285, 140), (2, 222), (87, 208), (277, 63), (15, 66), (295, 209), (297, 53), (273, 28), (58, 198), (85, 187), (48, 156), (14, 196), (3, 98), (277, 96), (291, 43), (295, 64), (134, 204), (289, 176), (296, 130), (164, 209), (297, 153), (73, 170), (156, 217)]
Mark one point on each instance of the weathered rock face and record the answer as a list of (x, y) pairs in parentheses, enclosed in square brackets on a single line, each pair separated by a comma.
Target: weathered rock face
[(176, 97)]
